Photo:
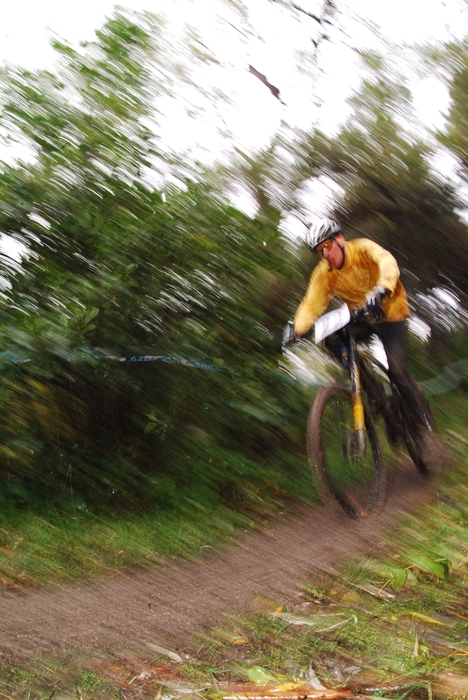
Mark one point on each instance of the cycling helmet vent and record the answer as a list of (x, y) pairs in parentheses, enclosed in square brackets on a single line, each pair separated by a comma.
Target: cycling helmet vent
[(321, 231)]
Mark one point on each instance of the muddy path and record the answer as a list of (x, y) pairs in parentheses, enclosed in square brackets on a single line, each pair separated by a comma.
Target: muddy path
[(167, 605)]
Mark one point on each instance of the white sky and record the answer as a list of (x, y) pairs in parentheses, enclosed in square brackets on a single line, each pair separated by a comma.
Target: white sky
[(27, 24), (254, 115)]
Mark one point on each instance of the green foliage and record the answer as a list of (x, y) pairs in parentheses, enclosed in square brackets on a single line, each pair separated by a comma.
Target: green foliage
[(389, 192), (110, 265), (455, 136)]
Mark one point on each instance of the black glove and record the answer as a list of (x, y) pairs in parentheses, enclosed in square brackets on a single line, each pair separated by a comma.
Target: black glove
[(289, 334), (374, 308)]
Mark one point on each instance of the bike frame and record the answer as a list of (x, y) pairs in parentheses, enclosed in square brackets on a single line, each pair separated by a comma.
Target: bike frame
[(352, 364), (342, 321)]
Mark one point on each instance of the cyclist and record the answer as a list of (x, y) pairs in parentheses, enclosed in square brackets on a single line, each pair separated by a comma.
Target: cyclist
[(362, 274)]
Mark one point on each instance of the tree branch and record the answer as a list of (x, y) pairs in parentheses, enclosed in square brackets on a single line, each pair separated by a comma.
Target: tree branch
[(304, 12), (274, 90)]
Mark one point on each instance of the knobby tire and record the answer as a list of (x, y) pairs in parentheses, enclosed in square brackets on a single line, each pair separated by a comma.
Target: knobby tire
[(357, 484)]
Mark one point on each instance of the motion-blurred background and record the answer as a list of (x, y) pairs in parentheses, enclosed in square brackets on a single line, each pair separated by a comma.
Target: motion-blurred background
[(156, 183)]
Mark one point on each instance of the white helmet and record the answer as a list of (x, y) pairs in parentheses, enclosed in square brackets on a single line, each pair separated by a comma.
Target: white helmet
[(321, 231)]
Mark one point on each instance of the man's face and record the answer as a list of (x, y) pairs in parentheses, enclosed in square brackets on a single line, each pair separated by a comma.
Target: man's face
[(333, 251)]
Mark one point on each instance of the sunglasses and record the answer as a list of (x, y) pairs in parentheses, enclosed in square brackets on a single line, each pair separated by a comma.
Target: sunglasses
[(328, 245)]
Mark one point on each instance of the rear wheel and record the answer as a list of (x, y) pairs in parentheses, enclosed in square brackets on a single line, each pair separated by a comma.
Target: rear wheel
[(357, 481)]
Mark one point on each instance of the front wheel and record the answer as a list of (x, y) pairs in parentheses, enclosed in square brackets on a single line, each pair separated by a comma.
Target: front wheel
[(354, 477)]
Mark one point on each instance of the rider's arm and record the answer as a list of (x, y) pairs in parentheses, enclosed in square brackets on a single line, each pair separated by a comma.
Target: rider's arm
[(318, 295), (388, 271)]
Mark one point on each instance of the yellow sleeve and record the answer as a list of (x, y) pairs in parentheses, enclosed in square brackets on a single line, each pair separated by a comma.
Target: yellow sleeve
[(389, 273), (318, 295)]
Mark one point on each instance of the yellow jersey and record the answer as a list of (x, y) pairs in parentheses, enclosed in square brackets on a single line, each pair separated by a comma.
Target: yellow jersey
[(366, 265)]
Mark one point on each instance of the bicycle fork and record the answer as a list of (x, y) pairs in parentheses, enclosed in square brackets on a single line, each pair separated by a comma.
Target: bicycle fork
[(356, 397)]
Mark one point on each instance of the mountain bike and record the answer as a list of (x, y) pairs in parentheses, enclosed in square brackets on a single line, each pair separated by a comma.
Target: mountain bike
[(342, 439)]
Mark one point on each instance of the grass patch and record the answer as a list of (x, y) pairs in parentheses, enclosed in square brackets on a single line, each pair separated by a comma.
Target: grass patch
[(60, 547), (39, 549), (54, 680)]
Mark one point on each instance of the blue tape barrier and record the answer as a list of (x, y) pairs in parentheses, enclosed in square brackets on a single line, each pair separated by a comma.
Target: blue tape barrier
[(450, 377), (12, 359), (83, 353)]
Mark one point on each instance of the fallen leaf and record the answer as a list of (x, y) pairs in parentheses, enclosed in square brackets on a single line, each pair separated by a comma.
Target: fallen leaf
[(164, 652), (353, 618), (351, 597), (288, 686), (426, 618), (394, 574), (311, 621), (314, 681), (238, 641), (439, 569), (295, 619), (182, 689), (380, 593), (260, 675)]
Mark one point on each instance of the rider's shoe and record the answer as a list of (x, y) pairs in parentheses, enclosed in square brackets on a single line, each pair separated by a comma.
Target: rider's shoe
[(433, 450)]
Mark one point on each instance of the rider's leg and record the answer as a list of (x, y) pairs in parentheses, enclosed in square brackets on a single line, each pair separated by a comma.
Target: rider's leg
[(374, 388), (393, 337)]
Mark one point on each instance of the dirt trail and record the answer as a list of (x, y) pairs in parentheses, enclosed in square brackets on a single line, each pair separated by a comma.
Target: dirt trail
[(166, 605)]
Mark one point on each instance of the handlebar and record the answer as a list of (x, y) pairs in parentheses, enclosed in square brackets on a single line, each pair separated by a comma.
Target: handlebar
[(371, 316), (359, 314), (336, 320)]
